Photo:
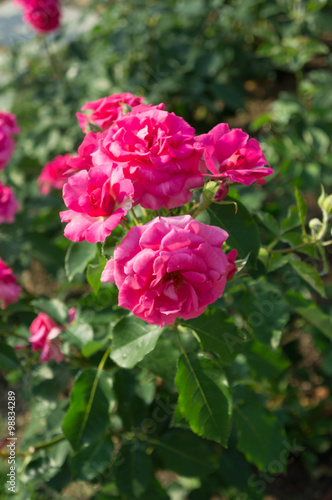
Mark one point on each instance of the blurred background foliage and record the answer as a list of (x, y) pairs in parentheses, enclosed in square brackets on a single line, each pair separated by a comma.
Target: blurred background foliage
[(264, 66)]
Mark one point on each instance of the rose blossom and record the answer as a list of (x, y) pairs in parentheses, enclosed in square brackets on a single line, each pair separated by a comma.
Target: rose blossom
[(97, 200), (43, 332), (171, 267), (8, 204), (42, 15), (230, 154), (9, 291), (158, 152), (8, 127), (106, 110), (83, 161), (54, 174)]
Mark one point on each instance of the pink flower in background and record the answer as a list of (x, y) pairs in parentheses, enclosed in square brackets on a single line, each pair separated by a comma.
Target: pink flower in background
[(44, 331), (106, 110), (42, 15), (97, 200), (8, 127), (9, 291), (158, 152), (8, 205), (55, 174), (171, 267), (230, 154)]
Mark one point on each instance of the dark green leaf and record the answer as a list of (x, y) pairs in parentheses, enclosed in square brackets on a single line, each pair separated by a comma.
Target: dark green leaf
[(133, 473), (269, 222), (185, 453), (91, 461), (8, 358), (219, 335), (133, 338), (241, 227), (88, 416), (311, 312), (261, 436), (162, 361), (77, 258), (204, 397)]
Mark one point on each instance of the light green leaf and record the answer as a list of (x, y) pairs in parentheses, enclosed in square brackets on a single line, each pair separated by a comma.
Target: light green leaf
[(292, 220), (53, 308), (204, 397), (309, 274), (302, 209), (133, 338), (94, 272)]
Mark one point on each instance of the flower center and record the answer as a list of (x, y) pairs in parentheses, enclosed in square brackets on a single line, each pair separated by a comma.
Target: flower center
[(174, 276)]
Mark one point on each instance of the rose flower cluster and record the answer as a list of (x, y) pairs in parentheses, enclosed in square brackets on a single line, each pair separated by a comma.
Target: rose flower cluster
[(139, 154)]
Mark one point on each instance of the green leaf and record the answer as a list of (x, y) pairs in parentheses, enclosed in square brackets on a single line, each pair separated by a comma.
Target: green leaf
[(133, 338), (53, 308), (311, 312), (8, 358), (309, 274), (94, 273), (91, 461), (295, 239), (302, 209), (131, 407), (88, 416), (261, 436), (219, 335), (133, 473), (204, 397), (241, 227), (77, 258), (265, 363), (266, 313), (79, 334), (162, 361), (276, 261), (292, 220), (269, 222), (185, 453)]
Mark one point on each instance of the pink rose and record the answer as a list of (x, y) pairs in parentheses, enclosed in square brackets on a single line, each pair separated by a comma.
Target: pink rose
[(106, 110), (97, 200), (83, 161), (9, 291), (171, 267), (8, 127), (230, 154), (55, 174), (158, 152), (43, 333), (42, 15), (231, 268), (8, 204)]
